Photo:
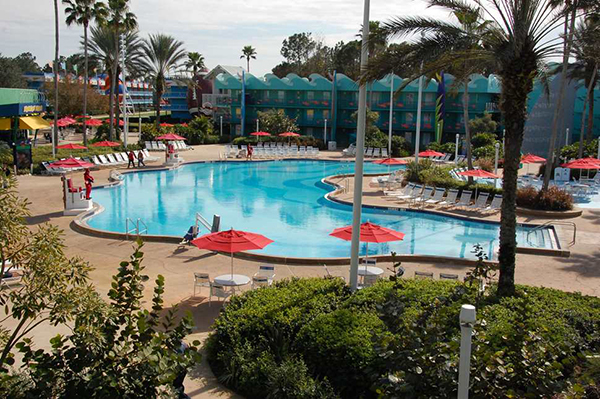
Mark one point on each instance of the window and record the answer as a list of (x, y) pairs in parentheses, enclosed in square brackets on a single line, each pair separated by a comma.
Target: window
[(409, 117), (326, 114), (238, 112), (429, 97), (281, 94), (427, 117), (309, 131), (310, 114), (410, 98), (326, 95), (310, 95)]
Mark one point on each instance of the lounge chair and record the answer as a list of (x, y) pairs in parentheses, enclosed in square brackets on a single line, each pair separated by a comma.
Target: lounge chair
[(465, 199), (437, 196), (219, 291), (480, 202), (148, 157), (267, 271), (416, 190), (52, 171), (425, 195), (369, 153), (423, 275), (384, 153), (376, 152), (450, 198), (260, 281), (446, 276), (495, 205), (405, 191), (201, 280)]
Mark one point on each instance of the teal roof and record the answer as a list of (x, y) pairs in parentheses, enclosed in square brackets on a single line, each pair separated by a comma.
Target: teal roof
[(18, 96)]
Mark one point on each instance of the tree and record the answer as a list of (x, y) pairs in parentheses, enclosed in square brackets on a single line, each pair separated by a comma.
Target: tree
[(346, 59), (27, 62), (162, 54), (120, 19), (373, 136), (484, 124), (248, 52), (70, 97), (118, 349), (54, 288), (102, 51), (11, 74), (283, 69), (82, 12), (195, 62), (517, 46), (275, 121)]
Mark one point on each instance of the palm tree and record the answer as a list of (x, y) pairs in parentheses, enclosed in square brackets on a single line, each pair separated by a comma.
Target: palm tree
[(248, 52), (120, 19), (102, 50), (162, 54), (195, 62), (82, 12), (517, 45), (447, 46), (55, 68)]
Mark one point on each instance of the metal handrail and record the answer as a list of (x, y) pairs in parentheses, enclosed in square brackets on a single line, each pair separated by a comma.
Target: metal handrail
[(203, 221), (138, 227), (134, 229), (557, 222)]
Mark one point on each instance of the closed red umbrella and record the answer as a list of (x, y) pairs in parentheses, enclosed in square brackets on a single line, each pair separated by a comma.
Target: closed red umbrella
[(170, 136), (121, 122), (106, 143), (369, 232), (71, 146), (430, 153), (391, 161), (232, 241), (71, 163)]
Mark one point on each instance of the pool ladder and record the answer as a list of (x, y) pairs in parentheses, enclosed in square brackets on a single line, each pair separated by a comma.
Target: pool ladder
[(135, 227), (553, 222)]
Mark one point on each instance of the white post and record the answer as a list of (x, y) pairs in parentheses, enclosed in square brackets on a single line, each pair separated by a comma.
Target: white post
[(567, 137), (418, 133), (325, 134), (467, 319), (456, 149), (125, 119), (360, 149), (391, 115), (221, 125), (496, 164), (139, 127), (257, 124)]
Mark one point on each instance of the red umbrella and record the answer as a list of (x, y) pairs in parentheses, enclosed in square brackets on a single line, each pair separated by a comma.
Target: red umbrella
[(65, 122), (71, 163), (184, 124), (231, 241), (260, 134), (164, 124), (530, 158), (586, 163), (93, 122), (121, 122), (369, 232), (391, 161), (69, 119), (479, 173), (170, 136), (430, 153), (71, 146), (287, 134), (106, 143)]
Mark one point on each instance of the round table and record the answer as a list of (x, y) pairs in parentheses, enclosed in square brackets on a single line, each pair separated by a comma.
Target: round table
[(232, 280), (369, 271)]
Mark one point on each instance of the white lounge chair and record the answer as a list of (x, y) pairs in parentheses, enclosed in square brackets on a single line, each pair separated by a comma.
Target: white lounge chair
[(450, 198), (437, 196), (384, 153), (465, 199), (425, 195), (414, 192), (267, 271), (480, 202), (495, 205), (260, 281), (376, 152)]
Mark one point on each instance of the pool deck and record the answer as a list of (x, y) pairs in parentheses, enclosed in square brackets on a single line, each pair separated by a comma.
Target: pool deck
[(580, 272)]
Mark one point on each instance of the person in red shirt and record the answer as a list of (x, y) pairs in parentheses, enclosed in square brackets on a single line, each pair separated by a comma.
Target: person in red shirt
[(131, 157), (249, 151), (88, 179), (140, 157)]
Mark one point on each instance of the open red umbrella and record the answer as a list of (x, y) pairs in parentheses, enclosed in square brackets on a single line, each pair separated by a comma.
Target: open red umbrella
[(530, 158), (584, 163), (260, 134), (369, 232), (71, 163), (65, 122), (479, 173), (71, 146), (288, 134), (121, 122), (170, 136), (93, 122), (430, 153), (184, 124), (231, 241), (164, 124), (391, 161), (106, 143)]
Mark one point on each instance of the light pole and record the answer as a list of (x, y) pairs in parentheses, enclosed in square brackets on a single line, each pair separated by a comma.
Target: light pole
[(467, 319), (257, 124), (496, 164), (567, 137), (221, 125), (391, 115), (456, 149), (360, 148), (325, 134)]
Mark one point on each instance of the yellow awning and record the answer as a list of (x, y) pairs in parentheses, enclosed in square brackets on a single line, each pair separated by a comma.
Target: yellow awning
[(33, 123), (26, 123)]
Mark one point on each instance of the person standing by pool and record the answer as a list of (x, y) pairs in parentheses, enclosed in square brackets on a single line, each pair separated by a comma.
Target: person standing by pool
[(131, 157), (249, 151), (140, 157), (88, 179)]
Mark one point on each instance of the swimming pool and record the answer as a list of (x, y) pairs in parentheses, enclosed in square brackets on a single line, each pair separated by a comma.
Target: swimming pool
[(283, 200)]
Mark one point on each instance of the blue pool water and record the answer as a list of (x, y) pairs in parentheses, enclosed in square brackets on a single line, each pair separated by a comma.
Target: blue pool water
[(283, 200)]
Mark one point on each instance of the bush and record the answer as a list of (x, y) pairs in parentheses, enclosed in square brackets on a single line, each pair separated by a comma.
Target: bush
[(483, 140), (590, 149), (103, 133), (313, 338), (488, 151), (553, 199), (400, 147), (486, 164), (447, 148)]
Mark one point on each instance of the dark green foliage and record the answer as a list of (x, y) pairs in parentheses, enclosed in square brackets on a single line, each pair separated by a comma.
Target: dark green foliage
[(553, 199), (484, 124), (483, 139), (275, 121), (103, 133), (590, 149), (447, 148), (400, 339), (400, 147), (198, 131)]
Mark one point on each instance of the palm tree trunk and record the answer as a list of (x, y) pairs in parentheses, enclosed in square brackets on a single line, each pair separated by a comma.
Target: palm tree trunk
[(467, 128), (113, 86), (561, 93), (159, 94), (56, 71), (590, 126), (581, 129), (248, 63), (85, 81)]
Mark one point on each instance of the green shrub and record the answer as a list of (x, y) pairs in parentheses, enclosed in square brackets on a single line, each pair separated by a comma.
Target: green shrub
[(553, 199), (590, 149), (103, 133), (291, 379), (483, 139), (486, 164), (211, 140), (488, 151), (447, 148), (44, 154), (150, 132), (400, 147)]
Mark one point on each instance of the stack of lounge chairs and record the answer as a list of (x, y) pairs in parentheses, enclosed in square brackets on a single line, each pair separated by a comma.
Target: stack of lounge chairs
[(102, 160), (272, 151), (160, 146)]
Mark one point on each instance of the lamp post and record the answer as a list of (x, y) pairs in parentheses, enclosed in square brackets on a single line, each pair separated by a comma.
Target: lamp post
[(456, 149), (391, 114), (221, 125), (257, 125), (467, 319), (567, 137), (418, 133), (496, 164), (325, 134), (360, 148)]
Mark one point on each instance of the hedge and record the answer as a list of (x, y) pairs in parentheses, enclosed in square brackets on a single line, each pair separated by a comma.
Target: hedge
[(44, 154), (399, 339)]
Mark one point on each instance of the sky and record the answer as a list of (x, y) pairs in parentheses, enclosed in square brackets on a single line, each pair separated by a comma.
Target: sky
[(216, 29)]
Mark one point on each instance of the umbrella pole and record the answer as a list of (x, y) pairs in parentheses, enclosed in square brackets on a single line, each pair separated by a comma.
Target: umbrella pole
[(232, 265)]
